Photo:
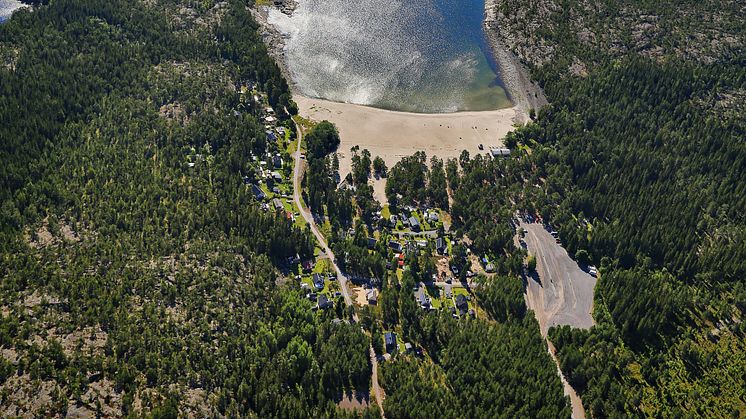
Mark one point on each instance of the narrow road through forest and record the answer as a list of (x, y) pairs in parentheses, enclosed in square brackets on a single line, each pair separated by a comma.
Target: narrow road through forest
[(308, 216)]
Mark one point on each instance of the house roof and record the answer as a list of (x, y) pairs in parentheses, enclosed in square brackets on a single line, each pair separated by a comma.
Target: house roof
[(371, 295), (258, 193), (324, 301)]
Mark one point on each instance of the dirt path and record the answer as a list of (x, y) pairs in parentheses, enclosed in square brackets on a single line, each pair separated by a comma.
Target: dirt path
[(306, 213)]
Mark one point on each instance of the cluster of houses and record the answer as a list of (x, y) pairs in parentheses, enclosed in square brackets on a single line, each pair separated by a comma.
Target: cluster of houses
[(413, 223), (318, 280), (461, 302)]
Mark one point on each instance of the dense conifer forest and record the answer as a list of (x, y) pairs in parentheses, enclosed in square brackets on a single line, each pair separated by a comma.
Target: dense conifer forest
[(640, 164), (139, 276)]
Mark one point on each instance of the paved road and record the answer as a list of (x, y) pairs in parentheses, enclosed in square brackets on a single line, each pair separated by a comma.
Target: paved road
[(306, 213)]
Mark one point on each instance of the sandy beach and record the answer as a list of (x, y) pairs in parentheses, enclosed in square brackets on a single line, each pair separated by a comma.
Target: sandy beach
[(393, 135)]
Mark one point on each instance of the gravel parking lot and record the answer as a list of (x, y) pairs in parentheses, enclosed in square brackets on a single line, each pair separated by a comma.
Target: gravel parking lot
[(560, 292)]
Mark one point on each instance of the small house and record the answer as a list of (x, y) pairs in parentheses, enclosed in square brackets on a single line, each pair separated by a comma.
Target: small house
[(433, 216), (278, 204), (408, 347), (277, 161), (372, 297), (414, 224), (389, 338), (258, 193), (372, 243), (307, 265), (324, 302), (396, 246), (271, 137), (277, 177), (318, 281), (461, 304), (440, 246), (422, 298)]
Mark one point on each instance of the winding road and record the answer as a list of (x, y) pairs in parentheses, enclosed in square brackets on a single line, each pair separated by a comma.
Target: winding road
[(306, 214)]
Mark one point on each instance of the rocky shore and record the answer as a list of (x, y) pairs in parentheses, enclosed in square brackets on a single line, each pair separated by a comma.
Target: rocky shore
[(273, 39), (524, 93)]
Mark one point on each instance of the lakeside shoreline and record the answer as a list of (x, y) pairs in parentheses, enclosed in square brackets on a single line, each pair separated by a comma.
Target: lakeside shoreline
[(276, 41), (524, 93), (393, 135)]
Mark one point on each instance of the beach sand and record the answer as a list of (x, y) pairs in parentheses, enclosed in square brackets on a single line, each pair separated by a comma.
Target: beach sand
[(393, 135)]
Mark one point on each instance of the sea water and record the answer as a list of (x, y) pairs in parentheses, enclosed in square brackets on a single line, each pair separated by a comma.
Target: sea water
[(414, 55)]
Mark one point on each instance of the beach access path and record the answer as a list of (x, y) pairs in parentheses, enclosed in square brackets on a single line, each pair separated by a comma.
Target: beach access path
[(306, 214)]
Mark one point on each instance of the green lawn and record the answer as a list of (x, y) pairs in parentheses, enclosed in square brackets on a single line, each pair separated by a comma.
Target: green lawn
[(386, 212)]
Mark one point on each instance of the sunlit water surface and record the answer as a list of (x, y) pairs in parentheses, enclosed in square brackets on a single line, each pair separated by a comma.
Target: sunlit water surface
[(413, 55), (7, 7)]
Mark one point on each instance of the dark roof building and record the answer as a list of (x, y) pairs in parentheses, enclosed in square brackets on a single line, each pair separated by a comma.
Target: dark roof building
[(318, 281), (324, 302), (462, 304), (395, 245), (307, 265), (258, 193), (389, 339), (414, 224)]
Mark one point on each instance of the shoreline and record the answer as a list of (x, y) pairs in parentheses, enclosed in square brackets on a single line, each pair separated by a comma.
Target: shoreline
[(524, 93), (393, 135)]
